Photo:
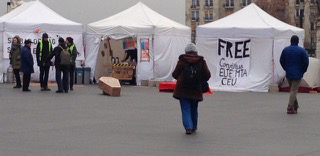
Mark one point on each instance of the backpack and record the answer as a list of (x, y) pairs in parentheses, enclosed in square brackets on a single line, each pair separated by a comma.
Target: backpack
[(65, 56), (191, 76)]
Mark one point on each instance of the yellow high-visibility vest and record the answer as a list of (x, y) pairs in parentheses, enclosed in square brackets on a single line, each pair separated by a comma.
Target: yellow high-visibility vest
[(41, 48)]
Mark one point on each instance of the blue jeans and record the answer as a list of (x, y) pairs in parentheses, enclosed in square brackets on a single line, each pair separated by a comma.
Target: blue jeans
[(189, 109)]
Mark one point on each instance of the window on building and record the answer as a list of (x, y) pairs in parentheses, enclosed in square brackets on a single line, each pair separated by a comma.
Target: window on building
[(208, 3), (297, 2), (312, 26), (298, 13), (195, 3), (246, 2), (229, 3), (208, 15), (195, 16)]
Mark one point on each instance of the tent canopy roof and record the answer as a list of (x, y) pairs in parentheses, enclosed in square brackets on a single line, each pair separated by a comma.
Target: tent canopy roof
[(137, 20), (250, 21), (34, 14)]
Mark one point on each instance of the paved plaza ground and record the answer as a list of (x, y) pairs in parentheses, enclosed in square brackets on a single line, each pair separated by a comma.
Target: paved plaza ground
[(144, 122)]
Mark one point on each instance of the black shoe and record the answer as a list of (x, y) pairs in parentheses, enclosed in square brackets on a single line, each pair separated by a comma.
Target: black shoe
[(66, 91), (188, 132), (194, 130), (59, 91), (26, 90), (16, 87), (42, 89), (47, 89), (71, 88)]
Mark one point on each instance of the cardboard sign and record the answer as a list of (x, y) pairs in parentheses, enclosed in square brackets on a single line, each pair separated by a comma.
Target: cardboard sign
[(123, 71)]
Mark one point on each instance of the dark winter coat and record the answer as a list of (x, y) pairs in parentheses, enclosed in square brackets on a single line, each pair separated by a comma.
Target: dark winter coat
[(41, 60), (56, 54), (26, 60), (180, 91), (15, 56), (294, 60)]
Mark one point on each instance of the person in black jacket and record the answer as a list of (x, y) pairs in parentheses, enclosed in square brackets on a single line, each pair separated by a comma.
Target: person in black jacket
[(64, 85), (190, 94), (26, 65), (74, 54), (44, 49)]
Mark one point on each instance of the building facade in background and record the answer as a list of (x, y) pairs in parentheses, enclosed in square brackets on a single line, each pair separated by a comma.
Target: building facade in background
[(300, 13)]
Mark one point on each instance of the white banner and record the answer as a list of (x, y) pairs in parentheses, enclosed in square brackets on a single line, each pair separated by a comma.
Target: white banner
[(53, 37), (233, 56)]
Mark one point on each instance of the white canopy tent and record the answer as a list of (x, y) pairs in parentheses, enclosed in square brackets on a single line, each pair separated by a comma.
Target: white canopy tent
[(167, 39), (244, 48), (29, 21)]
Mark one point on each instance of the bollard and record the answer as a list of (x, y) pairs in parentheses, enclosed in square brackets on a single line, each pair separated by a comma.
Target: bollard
[(10, 77)]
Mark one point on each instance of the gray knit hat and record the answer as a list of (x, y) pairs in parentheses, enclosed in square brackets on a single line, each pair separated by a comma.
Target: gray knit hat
[(191, 48)]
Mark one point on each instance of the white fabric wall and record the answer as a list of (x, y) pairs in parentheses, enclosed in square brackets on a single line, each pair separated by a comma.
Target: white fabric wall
[(145, 69), (167, 50), (92, 43), (260, 75), (164, 51), (1, 56)]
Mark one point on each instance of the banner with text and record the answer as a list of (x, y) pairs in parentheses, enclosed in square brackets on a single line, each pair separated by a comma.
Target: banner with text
[(8, 36), (233, 61)]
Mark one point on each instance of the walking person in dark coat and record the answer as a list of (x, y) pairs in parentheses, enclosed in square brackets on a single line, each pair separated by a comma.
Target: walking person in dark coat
[(26, 65), (63, 86), (44, 49), (190, 96), (15, 59), (294, 60), (74, 54)]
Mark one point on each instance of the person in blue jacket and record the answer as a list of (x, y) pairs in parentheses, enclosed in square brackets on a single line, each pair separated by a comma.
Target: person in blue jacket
[(26, 65), (294, 60)]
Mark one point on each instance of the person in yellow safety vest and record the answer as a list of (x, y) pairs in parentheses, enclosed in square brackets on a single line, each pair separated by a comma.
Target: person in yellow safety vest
[(74, 54), (44, 48)]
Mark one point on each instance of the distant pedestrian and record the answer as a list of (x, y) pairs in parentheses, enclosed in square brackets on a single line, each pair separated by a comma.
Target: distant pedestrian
[(190, 72), (62, 63), (44, 49), (294, 60), (26, 65), (15, 59), (74, 53)]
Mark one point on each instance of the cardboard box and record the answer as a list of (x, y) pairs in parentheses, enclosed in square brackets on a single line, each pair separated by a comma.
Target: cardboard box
[(110, 86), (123, 71)]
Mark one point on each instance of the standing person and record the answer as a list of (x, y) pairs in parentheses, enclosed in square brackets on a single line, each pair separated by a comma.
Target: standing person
[(294, 60), (74, 54), (15, 59), (132, 54), (62, 63), (189, 89), (44, 49), (26, 65)]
